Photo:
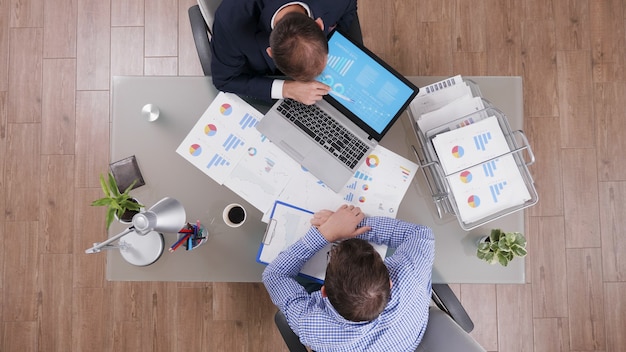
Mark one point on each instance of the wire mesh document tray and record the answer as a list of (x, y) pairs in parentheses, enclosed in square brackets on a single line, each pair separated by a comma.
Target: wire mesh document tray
[(482, 189)]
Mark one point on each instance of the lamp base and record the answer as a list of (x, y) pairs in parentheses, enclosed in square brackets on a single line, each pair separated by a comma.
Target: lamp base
[(142, 250)]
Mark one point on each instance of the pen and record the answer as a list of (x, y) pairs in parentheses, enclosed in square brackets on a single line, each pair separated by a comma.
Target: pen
[(339, 95), (179, 242), (197, 231)]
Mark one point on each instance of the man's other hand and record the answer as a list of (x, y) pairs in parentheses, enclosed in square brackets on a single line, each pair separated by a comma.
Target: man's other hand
[(341, 224), (305, 92)]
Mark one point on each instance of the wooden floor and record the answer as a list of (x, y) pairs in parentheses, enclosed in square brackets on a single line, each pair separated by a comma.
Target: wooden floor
[(57, 58)]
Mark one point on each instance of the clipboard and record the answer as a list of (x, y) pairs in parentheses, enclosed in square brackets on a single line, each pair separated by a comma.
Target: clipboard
[(287, 224)]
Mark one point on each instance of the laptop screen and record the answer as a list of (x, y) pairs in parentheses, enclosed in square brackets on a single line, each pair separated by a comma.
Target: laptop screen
[(364, 85)]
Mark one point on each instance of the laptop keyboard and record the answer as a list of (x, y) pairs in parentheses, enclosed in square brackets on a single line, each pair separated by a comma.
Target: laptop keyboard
[(335, 138)]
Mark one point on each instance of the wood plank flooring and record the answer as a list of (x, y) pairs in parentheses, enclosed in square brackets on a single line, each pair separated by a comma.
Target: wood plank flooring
[(57, 58)]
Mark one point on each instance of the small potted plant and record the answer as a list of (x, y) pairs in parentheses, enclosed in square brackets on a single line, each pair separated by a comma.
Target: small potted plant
[(121, 205), (501, 247)]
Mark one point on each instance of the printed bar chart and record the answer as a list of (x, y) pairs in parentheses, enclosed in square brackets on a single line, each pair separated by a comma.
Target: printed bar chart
[(232, 142), (482, 140), (217, 160), (248, 121), (490, 167)]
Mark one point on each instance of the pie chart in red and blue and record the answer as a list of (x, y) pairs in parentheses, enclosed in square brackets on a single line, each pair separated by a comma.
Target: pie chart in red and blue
[(372, 161), (226, 109), (210, 130), (466, 176), (473, 201), (195, 149), (457, 151)]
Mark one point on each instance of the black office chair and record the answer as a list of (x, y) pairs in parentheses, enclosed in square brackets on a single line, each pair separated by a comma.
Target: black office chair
[(447, 330), (201, 19)]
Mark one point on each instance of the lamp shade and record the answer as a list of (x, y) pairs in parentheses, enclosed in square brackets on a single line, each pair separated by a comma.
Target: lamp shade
[(167, 215)]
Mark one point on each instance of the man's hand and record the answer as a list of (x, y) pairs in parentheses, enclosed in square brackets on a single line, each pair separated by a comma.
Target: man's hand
[(305, 92), (341, 224)]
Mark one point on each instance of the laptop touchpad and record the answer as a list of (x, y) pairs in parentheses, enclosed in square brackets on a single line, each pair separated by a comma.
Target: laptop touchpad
[(292, 151)]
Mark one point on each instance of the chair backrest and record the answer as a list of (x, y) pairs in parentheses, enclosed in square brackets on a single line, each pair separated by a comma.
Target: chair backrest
[(201, 18), (207, 8), (444, 334)]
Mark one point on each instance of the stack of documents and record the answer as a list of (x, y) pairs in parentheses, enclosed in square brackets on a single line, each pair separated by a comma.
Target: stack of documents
[(482, 174), (444, 102), (471, 147)]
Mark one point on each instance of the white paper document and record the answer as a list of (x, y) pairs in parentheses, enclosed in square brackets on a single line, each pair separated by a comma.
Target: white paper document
[(377, 187), (438, 95), (288, 223), (453, 111), (488, 188), (482, 174), (470, 145), (225, 146)]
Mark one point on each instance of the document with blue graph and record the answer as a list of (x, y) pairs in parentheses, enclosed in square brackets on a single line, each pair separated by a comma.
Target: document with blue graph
[(224, 145), (484, 178), (219, 139)]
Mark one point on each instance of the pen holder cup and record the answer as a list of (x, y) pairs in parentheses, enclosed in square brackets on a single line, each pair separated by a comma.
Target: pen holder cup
[(190, 241)]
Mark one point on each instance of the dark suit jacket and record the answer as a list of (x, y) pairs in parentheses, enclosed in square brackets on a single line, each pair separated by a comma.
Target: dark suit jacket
[(241, 31)]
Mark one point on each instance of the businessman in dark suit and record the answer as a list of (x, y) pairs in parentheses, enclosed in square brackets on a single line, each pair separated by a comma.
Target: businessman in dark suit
[(243, 60)]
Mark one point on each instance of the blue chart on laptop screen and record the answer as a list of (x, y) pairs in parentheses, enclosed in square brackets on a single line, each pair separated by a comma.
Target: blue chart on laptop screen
[(361, 84)]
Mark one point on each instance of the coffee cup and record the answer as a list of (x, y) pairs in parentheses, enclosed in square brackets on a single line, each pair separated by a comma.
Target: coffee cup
[(234, 215)]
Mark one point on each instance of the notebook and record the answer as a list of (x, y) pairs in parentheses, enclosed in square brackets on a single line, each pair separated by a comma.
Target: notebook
[(367, 97)]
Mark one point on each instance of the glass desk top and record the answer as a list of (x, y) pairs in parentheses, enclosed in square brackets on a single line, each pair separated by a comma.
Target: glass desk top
[(230, 253)]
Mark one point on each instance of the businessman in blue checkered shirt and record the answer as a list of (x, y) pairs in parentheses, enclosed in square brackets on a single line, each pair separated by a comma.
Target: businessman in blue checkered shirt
[(366, 303)]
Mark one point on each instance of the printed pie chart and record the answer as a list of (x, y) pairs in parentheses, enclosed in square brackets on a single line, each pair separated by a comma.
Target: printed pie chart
[(226, 109), (210, 130), (473, 201), (195, 149), (466, 176), (457, 151)]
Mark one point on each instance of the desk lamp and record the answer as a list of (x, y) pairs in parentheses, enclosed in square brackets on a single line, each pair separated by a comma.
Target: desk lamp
[(142, 243)]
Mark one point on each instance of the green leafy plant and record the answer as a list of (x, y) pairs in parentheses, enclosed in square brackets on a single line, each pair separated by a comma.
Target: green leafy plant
[(501, 247), (117, 203)]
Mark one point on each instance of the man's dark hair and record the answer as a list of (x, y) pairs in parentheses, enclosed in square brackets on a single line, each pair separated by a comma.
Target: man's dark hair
[(299, 46), (357, 280)]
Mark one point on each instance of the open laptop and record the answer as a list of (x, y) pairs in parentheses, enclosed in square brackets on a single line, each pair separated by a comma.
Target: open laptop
[(367, 97)]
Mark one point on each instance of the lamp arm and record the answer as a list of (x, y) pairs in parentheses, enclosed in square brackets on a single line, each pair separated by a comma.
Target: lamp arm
[(98, 246)]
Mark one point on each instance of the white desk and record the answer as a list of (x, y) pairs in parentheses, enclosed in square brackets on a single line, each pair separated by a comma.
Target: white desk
[(230, 253)]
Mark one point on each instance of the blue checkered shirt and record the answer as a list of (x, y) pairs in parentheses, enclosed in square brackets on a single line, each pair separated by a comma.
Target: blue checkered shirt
[(399, 327)]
